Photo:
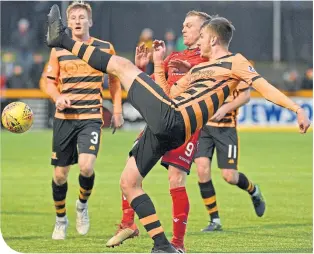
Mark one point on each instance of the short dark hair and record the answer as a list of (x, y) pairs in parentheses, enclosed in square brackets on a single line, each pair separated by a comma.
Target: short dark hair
[(222, 27)]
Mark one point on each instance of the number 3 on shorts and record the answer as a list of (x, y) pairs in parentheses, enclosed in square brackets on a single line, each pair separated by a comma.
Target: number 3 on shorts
[(189, 149), (94, 140)]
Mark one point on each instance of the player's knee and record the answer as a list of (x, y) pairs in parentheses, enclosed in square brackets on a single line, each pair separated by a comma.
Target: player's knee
[(86, 168), (230, 176), (177, 177), (203, 169), (120, 63), (60, 175), (127, 184), (86, 164)]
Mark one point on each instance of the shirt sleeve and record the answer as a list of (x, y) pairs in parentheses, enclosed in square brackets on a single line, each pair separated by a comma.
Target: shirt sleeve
[(53, 68), (180, 86), (243, 86), (243, 70)]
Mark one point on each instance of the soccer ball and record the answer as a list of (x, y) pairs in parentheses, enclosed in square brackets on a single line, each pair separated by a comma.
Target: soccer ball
[(17, 117)]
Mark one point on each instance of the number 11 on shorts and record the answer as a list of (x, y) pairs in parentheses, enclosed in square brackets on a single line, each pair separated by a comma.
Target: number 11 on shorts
[(232, 151)]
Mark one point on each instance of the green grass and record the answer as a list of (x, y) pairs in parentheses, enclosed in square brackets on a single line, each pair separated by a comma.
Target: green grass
[(281, 163)]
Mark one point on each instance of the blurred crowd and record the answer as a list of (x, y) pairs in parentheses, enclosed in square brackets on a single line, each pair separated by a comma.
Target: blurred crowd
[(23, 64)]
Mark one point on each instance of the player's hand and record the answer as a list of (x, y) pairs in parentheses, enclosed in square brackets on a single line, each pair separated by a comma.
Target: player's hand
[(303, 121), (142, 56), (63, 102), (180, 65), (116, 122), (159, 51), (220, 113)]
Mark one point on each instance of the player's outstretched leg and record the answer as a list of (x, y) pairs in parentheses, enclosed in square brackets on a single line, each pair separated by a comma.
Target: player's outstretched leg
[(127, 229)]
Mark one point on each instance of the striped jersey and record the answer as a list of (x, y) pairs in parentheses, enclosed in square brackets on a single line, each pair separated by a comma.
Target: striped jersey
[(200, 93), (79, 81)]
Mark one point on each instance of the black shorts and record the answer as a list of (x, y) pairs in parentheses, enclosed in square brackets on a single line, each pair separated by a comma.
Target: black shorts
[(73, 137), (165, 126), (225, 140)]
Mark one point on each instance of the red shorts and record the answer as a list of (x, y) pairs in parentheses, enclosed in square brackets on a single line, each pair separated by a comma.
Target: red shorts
[(181, 157)]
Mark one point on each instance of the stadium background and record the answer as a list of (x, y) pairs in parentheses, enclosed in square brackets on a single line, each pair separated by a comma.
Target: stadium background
[(276, 36)]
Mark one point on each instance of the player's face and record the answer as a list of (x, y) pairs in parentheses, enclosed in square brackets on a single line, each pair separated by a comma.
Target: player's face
[(204, 42), (79, 22), (191, 30)]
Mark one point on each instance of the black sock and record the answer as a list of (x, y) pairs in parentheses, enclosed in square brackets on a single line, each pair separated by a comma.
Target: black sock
[(145, 210), (245, 184), (98, 59), (209, 198), (59, 193), (67, 42), (86, 187)]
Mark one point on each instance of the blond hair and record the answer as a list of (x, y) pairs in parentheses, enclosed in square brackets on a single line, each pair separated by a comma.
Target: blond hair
[(203, 15), (81, 5)]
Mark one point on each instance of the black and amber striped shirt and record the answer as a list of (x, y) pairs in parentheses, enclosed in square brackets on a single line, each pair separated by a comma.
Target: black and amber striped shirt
[(230, 119), (82, 83), (206, 86)]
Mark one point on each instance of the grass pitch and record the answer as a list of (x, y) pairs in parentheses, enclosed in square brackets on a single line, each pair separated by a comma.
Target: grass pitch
[(281, 163)]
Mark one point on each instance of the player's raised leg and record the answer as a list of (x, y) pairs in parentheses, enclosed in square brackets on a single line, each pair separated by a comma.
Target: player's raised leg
[(146, 96)]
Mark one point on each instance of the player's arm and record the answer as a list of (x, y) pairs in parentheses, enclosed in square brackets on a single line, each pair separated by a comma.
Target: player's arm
[(242, 98), (239, 101), (52, 75), (160, 72), (142, 57), (243, 69), (160, 76), (177, 88), (116, 96)]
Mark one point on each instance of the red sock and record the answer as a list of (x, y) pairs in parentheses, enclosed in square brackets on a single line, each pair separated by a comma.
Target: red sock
[(128, 212), (180, 212)]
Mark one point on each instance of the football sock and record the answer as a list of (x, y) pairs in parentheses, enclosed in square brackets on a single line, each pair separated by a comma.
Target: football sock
[(91, 55), (144, 208), (127, 212), (86, 187), (59, 193), (245, 184), (180, 211), (209, 198)]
